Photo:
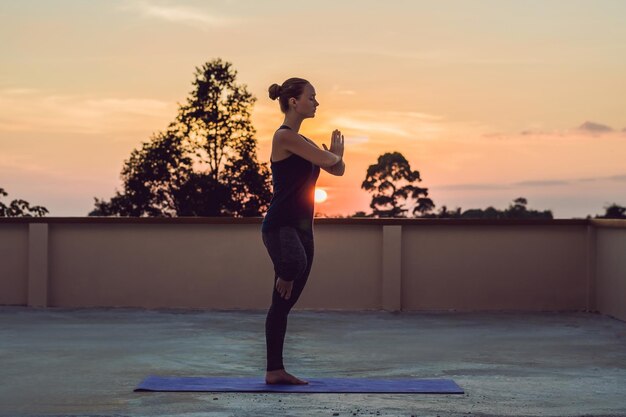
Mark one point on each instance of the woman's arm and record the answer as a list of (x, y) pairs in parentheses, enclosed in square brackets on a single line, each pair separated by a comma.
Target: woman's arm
[(338, 169), (306, 149)]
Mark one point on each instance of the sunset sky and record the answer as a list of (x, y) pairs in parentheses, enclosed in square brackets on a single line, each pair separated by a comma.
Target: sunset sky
[(489, 100)]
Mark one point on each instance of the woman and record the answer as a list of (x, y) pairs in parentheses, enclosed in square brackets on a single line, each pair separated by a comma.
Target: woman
[(287, 229)]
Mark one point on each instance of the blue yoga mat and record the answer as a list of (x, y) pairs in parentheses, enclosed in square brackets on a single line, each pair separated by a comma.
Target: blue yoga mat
[(327, 385)]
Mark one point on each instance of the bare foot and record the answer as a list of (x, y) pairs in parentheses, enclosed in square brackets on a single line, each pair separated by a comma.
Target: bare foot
[(280, 376)]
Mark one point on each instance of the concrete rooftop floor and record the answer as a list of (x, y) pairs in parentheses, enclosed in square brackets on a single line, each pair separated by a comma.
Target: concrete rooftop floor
[(86, 362)]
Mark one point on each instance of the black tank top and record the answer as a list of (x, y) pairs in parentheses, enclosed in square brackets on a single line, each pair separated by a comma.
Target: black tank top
[(293, 199)]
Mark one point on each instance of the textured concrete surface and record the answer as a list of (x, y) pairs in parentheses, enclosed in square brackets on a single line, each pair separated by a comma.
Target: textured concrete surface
[(86, 362)]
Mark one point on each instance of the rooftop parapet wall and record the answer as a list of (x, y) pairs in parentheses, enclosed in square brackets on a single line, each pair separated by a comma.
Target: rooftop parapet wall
[(609, 253), (360, 264)]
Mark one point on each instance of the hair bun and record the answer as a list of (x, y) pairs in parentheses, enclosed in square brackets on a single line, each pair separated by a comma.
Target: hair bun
[(274, 91)]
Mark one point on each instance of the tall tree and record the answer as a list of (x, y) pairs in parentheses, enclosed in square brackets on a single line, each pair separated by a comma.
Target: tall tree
[(391, 181), (154, 179), (205, 163), (20, 208)]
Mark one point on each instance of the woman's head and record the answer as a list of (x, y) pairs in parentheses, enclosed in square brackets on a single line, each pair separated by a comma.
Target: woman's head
[(297, 94)]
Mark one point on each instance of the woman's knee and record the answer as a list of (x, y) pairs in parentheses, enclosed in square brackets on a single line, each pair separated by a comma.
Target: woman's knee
[(292, 270)]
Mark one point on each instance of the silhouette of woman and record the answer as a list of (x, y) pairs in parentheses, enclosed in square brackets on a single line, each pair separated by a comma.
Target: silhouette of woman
[(287, 228)]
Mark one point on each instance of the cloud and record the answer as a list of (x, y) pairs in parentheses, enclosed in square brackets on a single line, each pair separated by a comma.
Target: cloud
[(594, 127), (530, 132), (476, 186), (541, 183), (621, 177), (530, 183), (586, 129), (356, 140), (18, 91), (178, 14), (370, 126), (439, 55), (496, 135), (19, 162), (573, 181), (41, 112), (415, 115), (410, 125), (342, 92), (545, 132)]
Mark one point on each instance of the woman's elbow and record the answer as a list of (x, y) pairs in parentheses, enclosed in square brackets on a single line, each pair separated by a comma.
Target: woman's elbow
[(330, 160)]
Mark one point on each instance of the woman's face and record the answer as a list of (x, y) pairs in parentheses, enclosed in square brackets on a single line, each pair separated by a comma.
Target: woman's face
[(306, 103)]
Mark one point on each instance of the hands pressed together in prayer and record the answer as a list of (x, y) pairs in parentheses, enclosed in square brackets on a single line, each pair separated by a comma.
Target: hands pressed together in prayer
[(336, 143)]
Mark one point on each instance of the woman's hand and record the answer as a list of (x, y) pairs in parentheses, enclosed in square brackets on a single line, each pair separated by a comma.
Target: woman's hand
[(336, 143), (284, 288)]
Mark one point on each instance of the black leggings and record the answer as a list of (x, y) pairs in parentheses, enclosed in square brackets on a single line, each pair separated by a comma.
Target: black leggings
[(291, 251)]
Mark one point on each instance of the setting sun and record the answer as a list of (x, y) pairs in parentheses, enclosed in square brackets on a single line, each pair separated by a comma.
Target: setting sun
[(320, 195)]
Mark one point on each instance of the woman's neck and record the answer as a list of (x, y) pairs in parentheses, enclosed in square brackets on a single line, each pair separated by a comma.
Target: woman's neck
[(293, 121)]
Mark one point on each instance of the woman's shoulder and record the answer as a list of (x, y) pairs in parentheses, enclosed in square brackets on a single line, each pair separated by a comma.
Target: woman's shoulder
[(286, 142), (279, 151), (309, 140), (287, 134), (280, 133), (283, 135)]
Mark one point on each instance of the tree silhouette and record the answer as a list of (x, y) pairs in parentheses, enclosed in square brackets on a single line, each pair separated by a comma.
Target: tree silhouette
[(20, 208), (613, 211), (445, 213), (153, 177), (517, 210), (361, 214), (383, 180), (204, 164)]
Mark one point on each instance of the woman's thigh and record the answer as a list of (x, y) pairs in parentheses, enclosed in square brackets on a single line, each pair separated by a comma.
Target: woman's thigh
[(290, 251)]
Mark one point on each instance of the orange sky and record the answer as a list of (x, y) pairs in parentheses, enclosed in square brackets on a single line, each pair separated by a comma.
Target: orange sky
[(486, 99)]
